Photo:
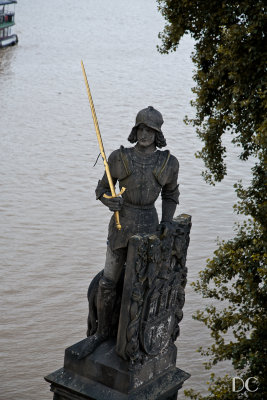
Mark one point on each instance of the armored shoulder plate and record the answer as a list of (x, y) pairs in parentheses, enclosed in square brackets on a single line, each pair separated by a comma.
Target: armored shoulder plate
[(126, 160), (161, 165)]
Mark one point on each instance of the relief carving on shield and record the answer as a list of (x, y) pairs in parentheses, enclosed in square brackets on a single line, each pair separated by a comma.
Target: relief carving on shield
[(153, 292)]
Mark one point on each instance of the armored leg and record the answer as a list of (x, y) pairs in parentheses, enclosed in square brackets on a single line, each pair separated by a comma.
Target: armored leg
[(106, 298), (105, 303), (115, 260)]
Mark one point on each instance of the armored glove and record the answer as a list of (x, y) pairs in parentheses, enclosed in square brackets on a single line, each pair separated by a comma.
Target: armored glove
[(164, 228), (168, 210), (113, 204)]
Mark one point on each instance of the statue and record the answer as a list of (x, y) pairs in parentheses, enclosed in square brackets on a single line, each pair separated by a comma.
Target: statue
[(145, 172), (136, 301)]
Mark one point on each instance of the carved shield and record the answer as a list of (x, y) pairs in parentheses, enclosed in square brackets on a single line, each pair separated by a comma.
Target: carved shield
[(153, 292), (158, 317)]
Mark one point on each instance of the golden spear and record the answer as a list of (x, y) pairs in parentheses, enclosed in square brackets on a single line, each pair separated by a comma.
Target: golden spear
[(102, 151)]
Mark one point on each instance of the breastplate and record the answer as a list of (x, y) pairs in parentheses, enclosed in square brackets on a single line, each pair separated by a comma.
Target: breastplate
[(142, 188)]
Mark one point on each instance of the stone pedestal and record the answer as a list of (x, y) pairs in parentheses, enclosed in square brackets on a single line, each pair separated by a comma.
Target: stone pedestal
[(104, 375), (138, 362)]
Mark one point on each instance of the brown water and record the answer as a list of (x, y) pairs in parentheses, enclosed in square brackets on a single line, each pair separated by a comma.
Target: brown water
[(53, 231)]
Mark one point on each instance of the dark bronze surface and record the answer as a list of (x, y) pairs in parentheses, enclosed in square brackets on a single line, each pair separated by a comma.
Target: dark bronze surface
[(135, 303)]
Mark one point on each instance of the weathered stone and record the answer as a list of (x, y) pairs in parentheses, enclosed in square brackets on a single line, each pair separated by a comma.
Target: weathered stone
[(141, 363), (135, 304)]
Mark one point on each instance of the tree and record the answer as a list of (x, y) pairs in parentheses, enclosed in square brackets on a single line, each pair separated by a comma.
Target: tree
[(230, 56)]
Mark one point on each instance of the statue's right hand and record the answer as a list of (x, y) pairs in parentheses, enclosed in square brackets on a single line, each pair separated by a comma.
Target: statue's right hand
[(114, 204)]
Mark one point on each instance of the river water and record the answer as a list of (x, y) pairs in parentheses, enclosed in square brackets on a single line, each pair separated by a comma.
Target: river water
[(53, 231)]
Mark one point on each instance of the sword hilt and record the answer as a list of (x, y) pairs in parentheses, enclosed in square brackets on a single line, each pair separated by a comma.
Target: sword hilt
[(116, 213), (117, 220), (116, 195)]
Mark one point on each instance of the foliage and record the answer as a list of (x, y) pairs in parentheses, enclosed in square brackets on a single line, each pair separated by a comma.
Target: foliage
[(230, 56), (237, 274)]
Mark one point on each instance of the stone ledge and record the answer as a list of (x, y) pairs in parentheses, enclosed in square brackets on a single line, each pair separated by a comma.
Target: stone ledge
[(69, 386)]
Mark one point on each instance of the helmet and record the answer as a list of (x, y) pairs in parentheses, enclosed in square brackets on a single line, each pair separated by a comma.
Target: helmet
[(149, 117), (153, 119)]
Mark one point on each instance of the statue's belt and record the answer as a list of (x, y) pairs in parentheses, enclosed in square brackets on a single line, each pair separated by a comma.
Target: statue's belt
[(139, 207)]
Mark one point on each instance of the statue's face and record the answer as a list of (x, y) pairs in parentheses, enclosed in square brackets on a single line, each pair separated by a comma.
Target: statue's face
[(145, 135)]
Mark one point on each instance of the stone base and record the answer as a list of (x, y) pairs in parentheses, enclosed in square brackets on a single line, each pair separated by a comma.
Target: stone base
[(103, 375)]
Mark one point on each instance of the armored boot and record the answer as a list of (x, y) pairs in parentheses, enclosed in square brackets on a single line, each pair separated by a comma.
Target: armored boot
[(106, 297)]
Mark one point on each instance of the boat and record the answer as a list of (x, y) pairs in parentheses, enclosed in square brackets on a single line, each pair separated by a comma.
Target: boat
[(7, 20)]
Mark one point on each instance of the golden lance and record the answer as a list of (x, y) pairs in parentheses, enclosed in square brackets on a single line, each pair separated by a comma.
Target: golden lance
[(102, 151)]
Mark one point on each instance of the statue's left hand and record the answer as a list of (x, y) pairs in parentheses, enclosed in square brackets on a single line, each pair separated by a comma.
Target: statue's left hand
[(164, 228)]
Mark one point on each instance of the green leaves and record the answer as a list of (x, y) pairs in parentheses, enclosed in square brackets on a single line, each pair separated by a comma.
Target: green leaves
[(230, 57)]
